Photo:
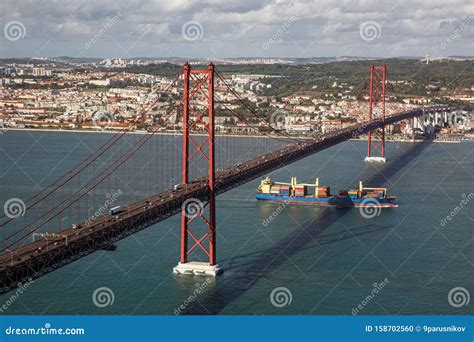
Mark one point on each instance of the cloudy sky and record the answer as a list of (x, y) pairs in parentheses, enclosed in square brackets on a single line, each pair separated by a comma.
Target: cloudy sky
[(236, 28)]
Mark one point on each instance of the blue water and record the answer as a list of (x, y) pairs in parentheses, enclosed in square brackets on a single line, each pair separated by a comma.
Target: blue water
[(327, 259)]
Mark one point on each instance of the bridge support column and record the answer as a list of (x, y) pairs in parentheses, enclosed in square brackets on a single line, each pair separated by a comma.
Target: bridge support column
[(378, 79), (202, 216), (421, 122)]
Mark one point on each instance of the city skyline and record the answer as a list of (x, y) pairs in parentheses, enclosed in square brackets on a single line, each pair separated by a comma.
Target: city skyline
[(233, 29)]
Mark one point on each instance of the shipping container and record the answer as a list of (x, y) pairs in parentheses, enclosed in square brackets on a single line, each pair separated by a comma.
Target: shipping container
[(323, 191), (300, 190), (275, 190)]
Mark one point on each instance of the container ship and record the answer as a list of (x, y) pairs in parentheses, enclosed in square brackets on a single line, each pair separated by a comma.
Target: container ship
[(315, 194)]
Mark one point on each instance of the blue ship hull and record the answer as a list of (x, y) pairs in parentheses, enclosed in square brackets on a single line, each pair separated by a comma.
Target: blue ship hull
[(383, 202)]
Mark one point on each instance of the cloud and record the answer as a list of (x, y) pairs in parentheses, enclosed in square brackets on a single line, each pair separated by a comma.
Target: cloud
[(237, 27)]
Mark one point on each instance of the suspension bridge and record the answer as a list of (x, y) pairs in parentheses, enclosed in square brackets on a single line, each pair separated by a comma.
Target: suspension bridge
[(151, 176)]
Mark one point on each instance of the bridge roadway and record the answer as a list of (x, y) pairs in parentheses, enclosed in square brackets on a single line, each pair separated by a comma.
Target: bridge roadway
[(51, 252)]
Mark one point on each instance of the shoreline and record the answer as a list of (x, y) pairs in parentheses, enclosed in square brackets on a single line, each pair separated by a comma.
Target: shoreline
[(130, 132), (217, 134)]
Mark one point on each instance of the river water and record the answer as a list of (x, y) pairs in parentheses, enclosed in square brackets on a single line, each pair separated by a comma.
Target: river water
[(302, 260)]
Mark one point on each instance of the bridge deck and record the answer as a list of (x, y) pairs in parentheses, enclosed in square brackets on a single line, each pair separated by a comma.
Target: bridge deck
[(51, 252)]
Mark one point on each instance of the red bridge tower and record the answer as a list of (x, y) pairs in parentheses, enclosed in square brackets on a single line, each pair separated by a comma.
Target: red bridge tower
[(378, 80), (198, 103)]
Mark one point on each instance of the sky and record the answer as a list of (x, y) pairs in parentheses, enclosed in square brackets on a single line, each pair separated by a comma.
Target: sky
[(236, 28)]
